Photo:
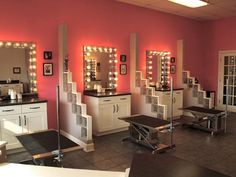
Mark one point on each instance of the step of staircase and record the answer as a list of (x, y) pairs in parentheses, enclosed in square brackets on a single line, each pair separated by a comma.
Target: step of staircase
[(150, 97), (197, 91), (78, 108)]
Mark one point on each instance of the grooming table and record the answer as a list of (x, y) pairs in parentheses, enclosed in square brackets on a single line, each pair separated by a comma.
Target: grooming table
[(144, 130), (164, 165), (207, 119), (44, 144)]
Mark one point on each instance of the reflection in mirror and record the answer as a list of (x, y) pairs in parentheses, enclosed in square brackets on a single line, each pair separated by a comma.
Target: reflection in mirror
[(158, 68), (100, 67), (18, 67)]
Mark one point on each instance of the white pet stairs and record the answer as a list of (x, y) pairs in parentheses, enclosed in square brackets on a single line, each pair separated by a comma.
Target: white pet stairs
[(151, 97), (195, 93), (78, 108)]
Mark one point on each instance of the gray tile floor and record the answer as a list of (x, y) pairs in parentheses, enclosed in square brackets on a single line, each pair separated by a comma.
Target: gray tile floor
[(215, 152)]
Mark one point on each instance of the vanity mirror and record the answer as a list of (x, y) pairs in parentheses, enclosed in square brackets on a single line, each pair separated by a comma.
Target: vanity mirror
[(99, 67), (158, 68), (18, 67)]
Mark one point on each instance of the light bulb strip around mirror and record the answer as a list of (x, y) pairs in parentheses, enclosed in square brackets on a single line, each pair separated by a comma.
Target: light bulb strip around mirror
[(165, 65), (89, 65), (32, 59)]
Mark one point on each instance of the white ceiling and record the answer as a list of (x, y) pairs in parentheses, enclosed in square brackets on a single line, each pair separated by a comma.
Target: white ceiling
[(217, 9)]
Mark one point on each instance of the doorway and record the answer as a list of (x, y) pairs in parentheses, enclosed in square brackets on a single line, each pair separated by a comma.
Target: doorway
[(227, 71)]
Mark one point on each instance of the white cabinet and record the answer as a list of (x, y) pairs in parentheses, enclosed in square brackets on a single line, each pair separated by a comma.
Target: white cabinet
[(18, 119), (105, 112), (165, 99)]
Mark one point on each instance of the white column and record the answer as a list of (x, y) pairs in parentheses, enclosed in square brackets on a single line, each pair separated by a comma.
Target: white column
[(179, 62)]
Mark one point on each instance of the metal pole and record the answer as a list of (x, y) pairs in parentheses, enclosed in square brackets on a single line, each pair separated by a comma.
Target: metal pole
[(171, 113), (227, 102), (59, 157)]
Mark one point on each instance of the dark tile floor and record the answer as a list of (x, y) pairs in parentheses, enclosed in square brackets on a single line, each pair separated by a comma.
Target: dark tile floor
[(215, 152)]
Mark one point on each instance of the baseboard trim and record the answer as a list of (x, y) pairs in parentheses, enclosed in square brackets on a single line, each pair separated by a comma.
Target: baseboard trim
[(86, 147)]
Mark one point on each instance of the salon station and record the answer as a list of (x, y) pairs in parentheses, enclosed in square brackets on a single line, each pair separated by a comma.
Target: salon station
[(118, 88)]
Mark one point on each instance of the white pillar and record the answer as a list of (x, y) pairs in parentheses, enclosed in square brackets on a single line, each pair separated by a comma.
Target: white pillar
[(179, 62)]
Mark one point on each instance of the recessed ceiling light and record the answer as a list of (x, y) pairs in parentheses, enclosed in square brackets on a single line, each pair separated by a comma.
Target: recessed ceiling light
[(191, 3)]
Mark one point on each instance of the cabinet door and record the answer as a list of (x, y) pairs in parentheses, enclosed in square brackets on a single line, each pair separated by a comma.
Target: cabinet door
[(178, 103), (105, 121), (33, 122), (122, 110), (11, 126), (166, 100)]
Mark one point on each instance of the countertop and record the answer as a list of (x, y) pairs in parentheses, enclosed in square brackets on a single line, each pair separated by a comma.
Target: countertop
[(23, 101), (11, 169), (168, 90), (2, 143), (106, 94)]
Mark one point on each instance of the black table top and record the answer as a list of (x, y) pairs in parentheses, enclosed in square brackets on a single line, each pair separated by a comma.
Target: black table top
[(153, 165), (44, 142), (203, 110), (146, 121)]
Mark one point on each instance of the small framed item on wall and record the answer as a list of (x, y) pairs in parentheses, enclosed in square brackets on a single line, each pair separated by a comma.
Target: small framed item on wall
[(123, 69), (47, 55), (172, 59), (123, 58), (16, 70), (47, 69), (172, 69)]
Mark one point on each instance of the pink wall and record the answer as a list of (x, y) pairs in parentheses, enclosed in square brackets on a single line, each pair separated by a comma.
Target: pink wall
[(220, 35), (101, 23)]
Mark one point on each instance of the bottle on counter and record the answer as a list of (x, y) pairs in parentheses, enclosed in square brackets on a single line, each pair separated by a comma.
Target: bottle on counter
[(13, 95), (99, 88), (19, 96), (9, 92)]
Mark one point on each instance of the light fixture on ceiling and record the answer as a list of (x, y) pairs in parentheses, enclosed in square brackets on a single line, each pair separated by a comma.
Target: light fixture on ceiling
[(191, 3)]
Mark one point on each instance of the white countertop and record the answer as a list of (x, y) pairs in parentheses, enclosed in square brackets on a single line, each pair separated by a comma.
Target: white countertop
[(2, 143), (11, 169)]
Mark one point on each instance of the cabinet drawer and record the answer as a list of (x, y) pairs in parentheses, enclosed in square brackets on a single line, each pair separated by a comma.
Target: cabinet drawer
[(122, 98), (178, 92), (114, 99), (8, 110), (106, 100), (39, 107)]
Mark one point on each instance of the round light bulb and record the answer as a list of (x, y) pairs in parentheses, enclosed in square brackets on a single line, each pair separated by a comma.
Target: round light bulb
[(88, 48)]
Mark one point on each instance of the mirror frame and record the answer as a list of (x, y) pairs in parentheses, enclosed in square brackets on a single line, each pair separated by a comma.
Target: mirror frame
[(112, 80), (163, 66), (31, 46)]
